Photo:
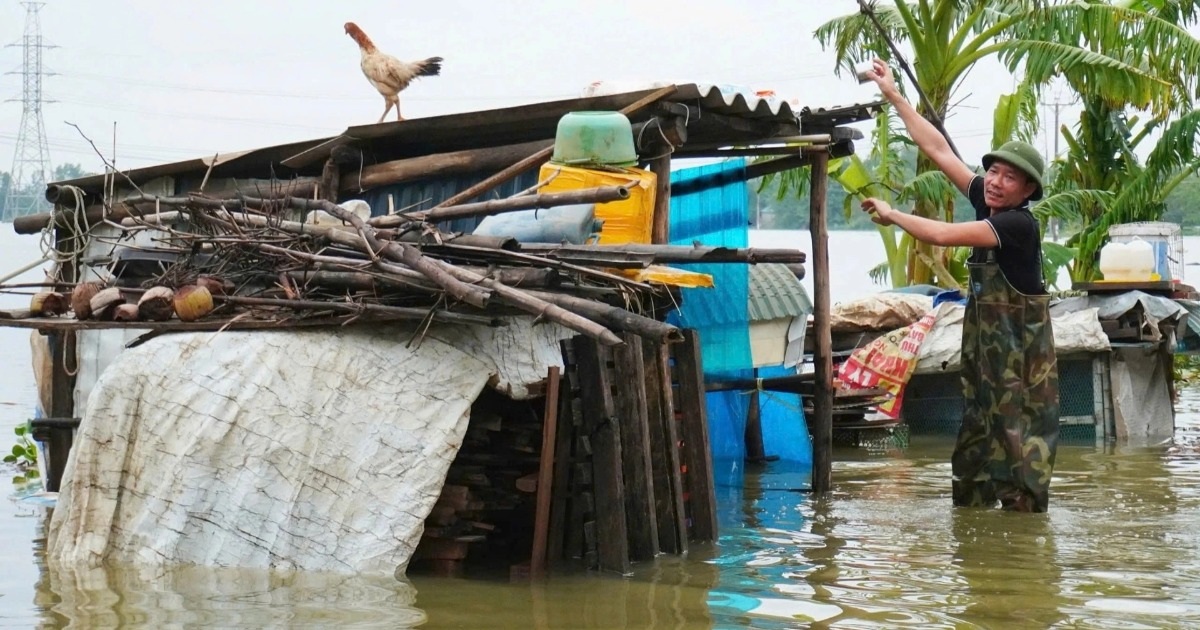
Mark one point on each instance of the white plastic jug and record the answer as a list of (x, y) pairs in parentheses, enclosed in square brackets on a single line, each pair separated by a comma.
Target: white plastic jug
[(1127, 262)]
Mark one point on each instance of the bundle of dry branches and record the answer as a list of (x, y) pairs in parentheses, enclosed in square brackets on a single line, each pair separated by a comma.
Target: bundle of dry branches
[(248, 259)]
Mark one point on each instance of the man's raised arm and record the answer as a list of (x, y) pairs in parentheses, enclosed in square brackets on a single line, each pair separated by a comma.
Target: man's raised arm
[(923, 133)]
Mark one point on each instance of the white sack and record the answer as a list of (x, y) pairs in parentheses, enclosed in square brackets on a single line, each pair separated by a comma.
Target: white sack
[(1079, 331)]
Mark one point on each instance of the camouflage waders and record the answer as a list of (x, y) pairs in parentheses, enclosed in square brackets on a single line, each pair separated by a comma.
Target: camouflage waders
[(1009, 432)]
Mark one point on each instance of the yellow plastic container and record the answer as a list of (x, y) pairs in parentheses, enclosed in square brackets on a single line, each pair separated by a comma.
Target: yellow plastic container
[(625, 221)]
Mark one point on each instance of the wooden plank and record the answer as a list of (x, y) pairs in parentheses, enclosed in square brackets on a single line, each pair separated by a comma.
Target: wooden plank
[(661, 449), (608, 486), (697, 457), (661, 219), (545, 479), (675, 450), (1158, 286), (822, 432), (628, 378), (556, 551)]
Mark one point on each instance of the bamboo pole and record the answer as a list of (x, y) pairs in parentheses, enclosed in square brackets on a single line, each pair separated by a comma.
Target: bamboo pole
[(541, 156), (667, 254)]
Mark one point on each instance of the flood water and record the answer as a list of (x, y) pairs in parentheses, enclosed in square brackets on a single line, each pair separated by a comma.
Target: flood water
[(1120, 547)]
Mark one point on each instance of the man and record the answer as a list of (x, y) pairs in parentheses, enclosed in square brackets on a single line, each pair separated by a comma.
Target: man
[(1006, 445)]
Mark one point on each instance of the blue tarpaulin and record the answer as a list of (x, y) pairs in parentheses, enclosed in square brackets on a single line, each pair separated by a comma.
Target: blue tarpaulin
[(709, 207)]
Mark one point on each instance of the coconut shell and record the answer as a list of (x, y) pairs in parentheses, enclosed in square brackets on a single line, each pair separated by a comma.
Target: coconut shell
[(81, 298), (105, 302), (126, 313), (48, 304), (192, 302), (157, 304)]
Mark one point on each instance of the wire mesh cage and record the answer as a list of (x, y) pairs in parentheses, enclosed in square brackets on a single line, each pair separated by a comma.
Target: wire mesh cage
[(1166, 239)]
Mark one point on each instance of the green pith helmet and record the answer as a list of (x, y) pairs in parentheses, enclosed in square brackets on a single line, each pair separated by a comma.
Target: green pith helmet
[(1023, 156)]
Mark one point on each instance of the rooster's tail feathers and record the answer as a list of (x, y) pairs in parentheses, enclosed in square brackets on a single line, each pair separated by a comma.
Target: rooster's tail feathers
[(429, 67)]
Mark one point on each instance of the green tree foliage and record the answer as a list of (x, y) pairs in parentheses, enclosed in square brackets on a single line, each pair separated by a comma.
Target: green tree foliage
[(1122, 54)]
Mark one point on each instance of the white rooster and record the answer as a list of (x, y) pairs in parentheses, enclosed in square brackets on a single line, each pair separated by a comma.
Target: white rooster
[(388, 74)]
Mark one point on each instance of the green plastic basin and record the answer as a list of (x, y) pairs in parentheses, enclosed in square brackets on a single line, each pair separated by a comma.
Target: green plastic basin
[(586, 138)]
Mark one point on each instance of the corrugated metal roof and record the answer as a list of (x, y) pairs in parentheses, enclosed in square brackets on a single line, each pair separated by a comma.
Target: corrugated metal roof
[(776, 292), (498, 127)]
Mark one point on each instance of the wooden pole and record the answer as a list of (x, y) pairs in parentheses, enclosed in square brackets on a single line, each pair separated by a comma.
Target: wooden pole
[(660, 227), (537, 159), (541, 518), (697, 455), (755, 450), (822, 438), (601, 194), (438, 164)]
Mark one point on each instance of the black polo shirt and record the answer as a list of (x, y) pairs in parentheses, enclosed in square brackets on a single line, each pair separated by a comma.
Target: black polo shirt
[(1020, 242)]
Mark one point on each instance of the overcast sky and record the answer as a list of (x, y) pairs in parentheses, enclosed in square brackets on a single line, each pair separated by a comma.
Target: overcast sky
[(189, 79)]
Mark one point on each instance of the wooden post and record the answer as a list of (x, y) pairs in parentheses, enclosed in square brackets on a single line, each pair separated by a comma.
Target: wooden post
[(608, 483), (330, 181), (629, 394), (697, 456), (660, 228), (822, 422), (569, 413), (64, 363), (755, 451), (62, 406), (664, 447), (545, 487)]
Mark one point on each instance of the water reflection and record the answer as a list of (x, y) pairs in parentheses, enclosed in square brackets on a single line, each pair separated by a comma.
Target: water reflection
[(1008, 564), (1118, 549), (112, 597)]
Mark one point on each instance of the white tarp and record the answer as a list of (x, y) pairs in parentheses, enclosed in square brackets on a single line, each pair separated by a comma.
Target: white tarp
[(312, 450), (1078, 331)]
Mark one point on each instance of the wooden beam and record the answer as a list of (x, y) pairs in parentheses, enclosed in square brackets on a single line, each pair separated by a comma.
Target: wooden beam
[(564, 500), (545, 487), (693, 424), (629, 396), (664, 445), (437, 165), (661, 221), (608, 482), (822, 438)]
